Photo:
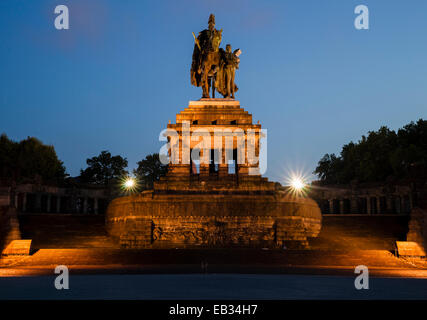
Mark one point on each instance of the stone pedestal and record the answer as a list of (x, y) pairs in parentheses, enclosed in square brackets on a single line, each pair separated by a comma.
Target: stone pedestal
[(213, 208), (136, 233)]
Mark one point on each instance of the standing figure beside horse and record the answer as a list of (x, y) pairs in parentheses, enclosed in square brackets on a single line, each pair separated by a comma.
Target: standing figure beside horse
[(212, 66)]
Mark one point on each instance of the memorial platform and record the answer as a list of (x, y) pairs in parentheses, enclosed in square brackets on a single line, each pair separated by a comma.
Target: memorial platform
[(217, 198)]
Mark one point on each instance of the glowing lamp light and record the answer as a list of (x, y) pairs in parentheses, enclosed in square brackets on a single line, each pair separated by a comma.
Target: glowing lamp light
[(297, 184), (129, 183)]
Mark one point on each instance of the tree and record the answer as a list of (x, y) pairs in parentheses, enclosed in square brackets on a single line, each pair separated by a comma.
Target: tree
[(104, 168), (382, 155), (326, 169), (29, 159), (150, 170), (8, 156)]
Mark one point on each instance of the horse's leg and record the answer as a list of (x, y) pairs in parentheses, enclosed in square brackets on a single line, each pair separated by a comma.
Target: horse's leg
[(213, 86), (205, 83), (202, 78)]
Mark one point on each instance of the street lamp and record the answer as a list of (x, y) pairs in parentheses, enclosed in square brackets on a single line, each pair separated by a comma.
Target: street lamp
[(297, 184), (129, 183)]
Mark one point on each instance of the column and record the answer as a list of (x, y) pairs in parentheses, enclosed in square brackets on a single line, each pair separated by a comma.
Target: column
[(354, 208), (342, 206), (331, 206), (390, 206), (378, 205), (85, 205), (398, 204), (411, 202), (223, 166), (58, 204), (38, 204), (24, 202), (49, 198), (95, 205), (368, 205)]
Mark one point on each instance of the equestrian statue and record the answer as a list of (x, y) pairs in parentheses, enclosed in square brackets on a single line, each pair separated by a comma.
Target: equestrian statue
[(212, 66)]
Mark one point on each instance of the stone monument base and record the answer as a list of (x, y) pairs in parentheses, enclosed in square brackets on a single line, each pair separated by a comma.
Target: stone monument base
[(215, 204), (151, 220)]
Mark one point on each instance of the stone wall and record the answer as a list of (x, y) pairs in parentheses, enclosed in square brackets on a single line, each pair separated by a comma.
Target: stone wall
[(207, 231), (418, 227), (36, 198), (249, 231), (150, 220), (364, 199), (9, 226), (3, 226)]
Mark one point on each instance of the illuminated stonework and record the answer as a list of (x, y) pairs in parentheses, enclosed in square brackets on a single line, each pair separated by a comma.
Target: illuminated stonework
[(213, 204)]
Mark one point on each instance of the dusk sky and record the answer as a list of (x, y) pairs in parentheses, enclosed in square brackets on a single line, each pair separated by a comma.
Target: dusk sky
[(122, 71)]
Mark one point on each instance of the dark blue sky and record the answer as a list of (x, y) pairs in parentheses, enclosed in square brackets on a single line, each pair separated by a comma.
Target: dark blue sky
[(115, 78)]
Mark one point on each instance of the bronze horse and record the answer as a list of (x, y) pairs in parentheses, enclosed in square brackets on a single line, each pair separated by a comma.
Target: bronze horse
[(207, 66), (210, 65)]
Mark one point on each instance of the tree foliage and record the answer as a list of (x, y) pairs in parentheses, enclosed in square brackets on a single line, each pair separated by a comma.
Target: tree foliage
[(28, 160), (150, 170), (104, 168), (383, 154)]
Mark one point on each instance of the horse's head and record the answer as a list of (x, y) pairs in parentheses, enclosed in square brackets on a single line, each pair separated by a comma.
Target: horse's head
[(216, 41)]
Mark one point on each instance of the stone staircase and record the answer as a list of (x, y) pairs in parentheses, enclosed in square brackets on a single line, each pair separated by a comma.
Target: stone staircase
[(65, 231), (231, 259), (360, 233)]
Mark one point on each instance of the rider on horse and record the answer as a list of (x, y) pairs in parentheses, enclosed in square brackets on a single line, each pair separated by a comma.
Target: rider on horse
[(205, 54)]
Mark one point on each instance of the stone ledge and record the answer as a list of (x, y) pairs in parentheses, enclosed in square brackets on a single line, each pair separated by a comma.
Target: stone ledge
[(214, 102)]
